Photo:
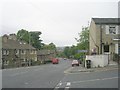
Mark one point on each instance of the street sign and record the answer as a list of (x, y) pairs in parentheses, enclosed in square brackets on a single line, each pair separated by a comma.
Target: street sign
[(79, 51)]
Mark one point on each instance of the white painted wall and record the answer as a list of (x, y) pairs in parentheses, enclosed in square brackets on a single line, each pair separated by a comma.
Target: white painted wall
[(97, 60), (116, 48)]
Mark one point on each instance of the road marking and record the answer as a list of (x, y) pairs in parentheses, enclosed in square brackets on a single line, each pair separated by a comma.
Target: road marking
[(95, 80), (15, 74), (68, 84), (69, 69), (66, 88), (26, 83), (60, 84), (56, 88)]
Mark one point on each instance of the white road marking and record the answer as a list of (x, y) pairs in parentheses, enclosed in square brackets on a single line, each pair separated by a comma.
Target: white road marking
[(66, 88), (26, 83), (69, 69), (95, 80), (60, 84), (57, 87), (68, 84), (15, 74)]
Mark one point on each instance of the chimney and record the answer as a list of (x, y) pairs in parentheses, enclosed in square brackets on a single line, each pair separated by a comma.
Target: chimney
[(13, 37), (5, 38)]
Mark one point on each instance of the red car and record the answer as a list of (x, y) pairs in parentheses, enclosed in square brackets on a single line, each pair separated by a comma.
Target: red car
[(55, 61)]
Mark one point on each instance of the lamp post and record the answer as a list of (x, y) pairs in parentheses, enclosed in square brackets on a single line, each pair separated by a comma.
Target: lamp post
[(100, 39), (29, 61)]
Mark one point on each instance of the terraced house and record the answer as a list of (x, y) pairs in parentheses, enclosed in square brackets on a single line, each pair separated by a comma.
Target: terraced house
[(45, 56), (16, 53), (104, 36)]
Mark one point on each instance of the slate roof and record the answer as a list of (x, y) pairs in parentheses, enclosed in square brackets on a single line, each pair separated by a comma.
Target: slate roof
[(15, 44), (106, 20)]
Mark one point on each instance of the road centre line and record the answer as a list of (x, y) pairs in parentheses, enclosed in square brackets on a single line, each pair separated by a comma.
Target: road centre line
[(15, 74), (91, 80)]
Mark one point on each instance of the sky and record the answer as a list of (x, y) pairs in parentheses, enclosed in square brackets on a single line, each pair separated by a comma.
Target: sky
[(60, 21)]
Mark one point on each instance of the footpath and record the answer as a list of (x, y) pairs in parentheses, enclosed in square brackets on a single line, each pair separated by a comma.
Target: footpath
[(77, 69)]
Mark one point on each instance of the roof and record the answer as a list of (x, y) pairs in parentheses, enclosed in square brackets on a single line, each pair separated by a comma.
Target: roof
[(106, 20), (15, 44), (44, 52)]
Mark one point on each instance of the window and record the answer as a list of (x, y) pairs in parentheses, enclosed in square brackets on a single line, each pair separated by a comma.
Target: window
[(5, 52), (31, 51), (23, 51), (16, 52), (106, 48), (6, 62), (112, 29)]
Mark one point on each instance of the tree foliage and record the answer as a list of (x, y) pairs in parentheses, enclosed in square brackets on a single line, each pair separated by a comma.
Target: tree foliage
[(83, 40), (50, 46), (82, 44), (32, 38)]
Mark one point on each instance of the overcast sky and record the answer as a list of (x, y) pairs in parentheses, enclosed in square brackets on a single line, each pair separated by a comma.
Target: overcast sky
[(60, 21)]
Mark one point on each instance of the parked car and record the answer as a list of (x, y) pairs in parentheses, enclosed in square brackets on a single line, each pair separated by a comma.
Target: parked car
[(75, 62), (55, 61)]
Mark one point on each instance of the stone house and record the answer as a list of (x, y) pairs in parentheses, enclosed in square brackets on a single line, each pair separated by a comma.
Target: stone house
[(44, 56), (104, 36), (16, 53)]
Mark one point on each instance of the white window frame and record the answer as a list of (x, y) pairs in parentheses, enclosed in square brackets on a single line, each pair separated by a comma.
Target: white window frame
[(6, 62), (5, 52)]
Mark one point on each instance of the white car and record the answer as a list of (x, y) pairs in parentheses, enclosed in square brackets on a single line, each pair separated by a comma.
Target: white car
[(75, 62)]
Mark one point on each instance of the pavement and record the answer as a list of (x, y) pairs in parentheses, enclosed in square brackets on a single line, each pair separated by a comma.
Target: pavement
[(111, 66), (80, 77)]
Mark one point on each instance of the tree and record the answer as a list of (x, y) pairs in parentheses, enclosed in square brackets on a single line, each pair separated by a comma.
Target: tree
[(83, 44), (50, 46), (83, 41), (32, 38), (23, 35), (35, 39), (67, 52)]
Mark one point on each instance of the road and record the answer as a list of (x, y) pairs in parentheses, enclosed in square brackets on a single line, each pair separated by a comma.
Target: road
[(53, 76), (44, 76)]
